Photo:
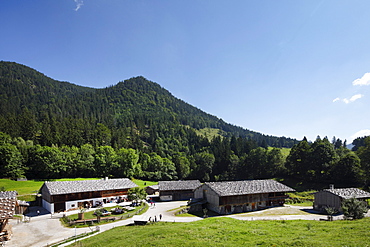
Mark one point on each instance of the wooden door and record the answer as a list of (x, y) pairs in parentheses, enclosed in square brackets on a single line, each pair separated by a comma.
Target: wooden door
[(59, 207)]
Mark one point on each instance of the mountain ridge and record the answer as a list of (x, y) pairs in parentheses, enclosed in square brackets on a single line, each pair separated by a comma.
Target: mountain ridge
[(37, 97)]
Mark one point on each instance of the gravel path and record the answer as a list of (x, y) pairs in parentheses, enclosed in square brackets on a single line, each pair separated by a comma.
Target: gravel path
[(46, 229)]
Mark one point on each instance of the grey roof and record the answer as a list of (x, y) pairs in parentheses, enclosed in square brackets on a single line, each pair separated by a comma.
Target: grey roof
[(179, 185), (67, 187), (8, 201), (154, 186), (8, 194), (246, 187), (347, 193)]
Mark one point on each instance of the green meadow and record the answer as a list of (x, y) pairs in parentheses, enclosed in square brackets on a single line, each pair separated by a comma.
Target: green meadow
[(143, 183), (223, 231)]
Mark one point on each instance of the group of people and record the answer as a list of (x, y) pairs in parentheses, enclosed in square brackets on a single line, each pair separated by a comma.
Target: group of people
[(155, 219)]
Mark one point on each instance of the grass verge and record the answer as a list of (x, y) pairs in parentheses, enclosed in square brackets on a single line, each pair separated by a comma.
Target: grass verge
[(90, 215), (230, 232)]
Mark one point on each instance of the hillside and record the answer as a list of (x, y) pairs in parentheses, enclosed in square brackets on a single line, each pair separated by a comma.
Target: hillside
[(53, 129), (50, 109)]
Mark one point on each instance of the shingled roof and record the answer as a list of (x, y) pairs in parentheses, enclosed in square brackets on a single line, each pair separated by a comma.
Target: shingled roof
[(246, 187), (347, 193), (179, 185), (8, 200), (68, 187)]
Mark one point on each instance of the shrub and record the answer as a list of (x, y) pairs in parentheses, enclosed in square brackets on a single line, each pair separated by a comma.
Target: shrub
[(354, 209)]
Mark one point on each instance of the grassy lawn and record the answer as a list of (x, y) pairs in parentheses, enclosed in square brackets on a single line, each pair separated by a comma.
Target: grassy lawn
[(22, 187), (302, 204), (90, 215), (231, 232), (143, 183), (303, 198)]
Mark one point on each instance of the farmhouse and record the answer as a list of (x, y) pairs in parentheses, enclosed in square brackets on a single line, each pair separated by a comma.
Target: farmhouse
[(242, 196), (177, 190), (333, 197), (8, 203), (67, 195)]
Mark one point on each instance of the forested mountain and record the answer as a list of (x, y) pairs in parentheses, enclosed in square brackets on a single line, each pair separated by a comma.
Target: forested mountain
[(38, 108), (52, 129)]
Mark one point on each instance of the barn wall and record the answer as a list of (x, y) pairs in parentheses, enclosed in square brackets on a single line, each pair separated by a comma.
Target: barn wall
[(234, 204), (198, 192), (48, 206), (212, 198), (45, 194), (176, 195), (326, 199)]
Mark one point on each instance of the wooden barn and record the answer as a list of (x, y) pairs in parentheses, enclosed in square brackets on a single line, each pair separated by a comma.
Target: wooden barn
[(67, 195), (242, 196), (177, 190), (333, 197), (152, 189), (8, 203)]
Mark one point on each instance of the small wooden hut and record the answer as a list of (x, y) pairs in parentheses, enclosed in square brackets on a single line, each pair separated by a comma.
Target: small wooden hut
[(333, 197), (177, 190), (152, 189), (8, 203)]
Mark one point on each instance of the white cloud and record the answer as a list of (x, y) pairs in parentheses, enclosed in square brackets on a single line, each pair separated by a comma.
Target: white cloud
[(353, 98), (79, 3), (363, 81), (356, 97), (336, 99), (361, 133)]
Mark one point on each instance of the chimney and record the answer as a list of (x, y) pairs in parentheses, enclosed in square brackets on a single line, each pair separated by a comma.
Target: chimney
[(331, 186), (106, 178)]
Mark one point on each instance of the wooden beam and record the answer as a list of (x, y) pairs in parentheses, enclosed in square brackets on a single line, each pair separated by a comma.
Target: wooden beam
[(3, 224)]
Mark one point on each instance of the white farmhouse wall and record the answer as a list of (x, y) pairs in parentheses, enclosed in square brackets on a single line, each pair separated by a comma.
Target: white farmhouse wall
[(48, 206)]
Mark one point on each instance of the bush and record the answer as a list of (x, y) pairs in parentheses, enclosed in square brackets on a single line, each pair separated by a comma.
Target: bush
[(354, 209)]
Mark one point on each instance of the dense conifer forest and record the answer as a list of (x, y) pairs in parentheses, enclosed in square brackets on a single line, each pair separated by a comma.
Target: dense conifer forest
[(52, 129)]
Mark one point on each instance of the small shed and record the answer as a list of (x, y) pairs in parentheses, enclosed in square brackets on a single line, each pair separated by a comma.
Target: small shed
[(242, 196), (333, 197), (68, 195), (152, 189), (8, 203), (177, 190)]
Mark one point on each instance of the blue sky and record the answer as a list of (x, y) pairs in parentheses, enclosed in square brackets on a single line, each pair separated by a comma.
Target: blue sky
[(283, 68)]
